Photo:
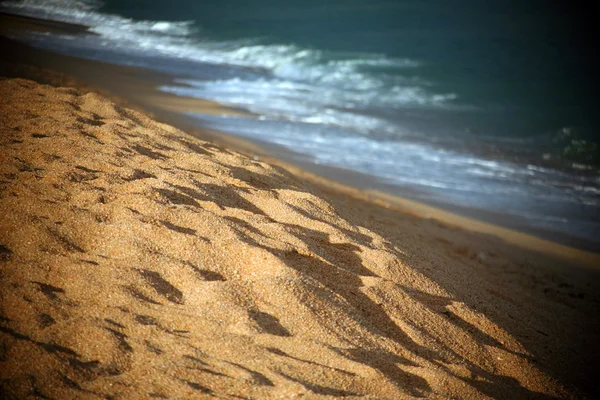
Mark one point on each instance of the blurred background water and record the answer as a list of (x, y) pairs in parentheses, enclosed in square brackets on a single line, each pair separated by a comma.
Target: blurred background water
[(466, 104)]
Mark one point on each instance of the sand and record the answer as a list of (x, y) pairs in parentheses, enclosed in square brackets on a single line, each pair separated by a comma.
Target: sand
[(137, 261)]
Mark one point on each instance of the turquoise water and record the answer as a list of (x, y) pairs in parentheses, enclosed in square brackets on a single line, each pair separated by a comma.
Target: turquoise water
[(488, 105), (524, 64)]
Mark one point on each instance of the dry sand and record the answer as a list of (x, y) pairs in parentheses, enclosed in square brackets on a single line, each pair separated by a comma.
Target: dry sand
[(137, 261)]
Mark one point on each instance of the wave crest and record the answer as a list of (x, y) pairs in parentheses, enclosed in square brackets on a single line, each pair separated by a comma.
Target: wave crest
[(356, 78)]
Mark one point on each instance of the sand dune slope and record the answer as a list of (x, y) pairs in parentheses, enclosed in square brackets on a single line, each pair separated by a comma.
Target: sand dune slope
[(139, 262)]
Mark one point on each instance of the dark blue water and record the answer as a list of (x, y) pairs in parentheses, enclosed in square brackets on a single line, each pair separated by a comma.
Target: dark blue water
[(489, 105)]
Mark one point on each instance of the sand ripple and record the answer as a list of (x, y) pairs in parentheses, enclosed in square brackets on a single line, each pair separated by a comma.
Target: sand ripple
[(140, 262)]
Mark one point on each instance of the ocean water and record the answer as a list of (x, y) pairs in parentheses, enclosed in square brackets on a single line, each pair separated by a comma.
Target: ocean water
[(466, 104)]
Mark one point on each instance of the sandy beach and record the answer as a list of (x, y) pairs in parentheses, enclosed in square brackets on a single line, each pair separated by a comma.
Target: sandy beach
[(140, 260)]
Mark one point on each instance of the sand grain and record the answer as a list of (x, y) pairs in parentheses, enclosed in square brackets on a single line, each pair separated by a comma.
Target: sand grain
[(138, 262)]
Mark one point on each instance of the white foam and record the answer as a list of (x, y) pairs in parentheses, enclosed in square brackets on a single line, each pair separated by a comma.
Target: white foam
[(582, 167), (65, 8), (338, 76), (304, 102)]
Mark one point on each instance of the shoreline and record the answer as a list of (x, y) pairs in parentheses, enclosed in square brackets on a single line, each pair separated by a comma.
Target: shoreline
[(137, 87)]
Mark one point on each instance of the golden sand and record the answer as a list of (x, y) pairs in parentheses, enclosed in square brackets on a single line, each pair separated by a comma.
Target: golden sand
[(139, 262)]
